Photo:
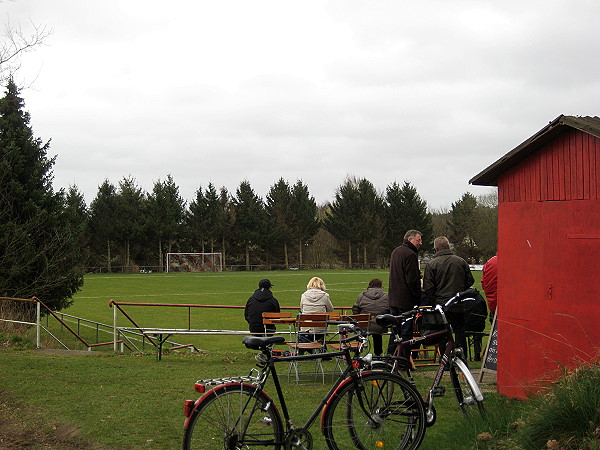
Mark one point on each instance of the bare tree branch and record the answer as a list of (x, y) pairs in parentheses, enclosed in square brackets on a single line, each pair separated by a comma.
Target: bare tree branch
[(16, 42)]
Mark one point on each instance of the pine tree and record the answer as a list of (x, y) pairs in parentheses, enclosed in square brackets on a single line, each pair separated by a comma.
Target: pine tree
[(103, 217), (279, 204), (406, 210), (166, 211), (342, 218), (130, 214), (250, 220), (305, 223), (39, 251), (463, 228)]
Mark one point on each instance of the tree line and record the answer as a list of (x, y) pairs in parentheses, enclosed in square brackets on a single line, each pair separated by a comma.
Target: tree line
[(50, 239), (128, 228)]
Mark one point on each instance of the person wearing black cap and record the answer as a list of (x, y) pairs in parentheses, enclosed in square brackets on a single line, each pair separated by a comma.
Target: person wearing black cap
[(261, 301)]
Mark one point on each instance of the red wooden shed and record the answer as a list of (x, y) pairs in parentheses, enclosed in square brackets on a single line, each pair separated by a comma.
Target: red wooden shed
[(548, 253)]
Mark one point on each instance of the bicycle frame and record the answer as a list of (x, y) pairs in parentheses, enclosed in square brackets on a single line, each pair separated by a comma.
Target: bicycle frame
[(348, 375), (267, 364), (452, 354), (434, 338)]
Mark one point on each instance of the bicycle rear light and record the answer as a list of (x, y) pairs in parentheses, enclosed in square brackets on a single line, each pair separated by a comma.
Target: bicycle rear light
[(188, 407), (198, 387)]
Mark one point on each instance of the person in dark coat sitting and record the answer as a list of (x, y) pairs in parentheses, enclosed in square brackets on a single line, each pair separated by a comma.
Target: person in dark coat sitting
[(261, 301), (373, 301)]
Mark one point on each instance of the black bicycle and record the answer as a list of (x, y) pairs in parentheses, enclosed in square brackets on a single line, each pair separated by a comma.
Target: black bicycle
[(363, 409), (466, 390)]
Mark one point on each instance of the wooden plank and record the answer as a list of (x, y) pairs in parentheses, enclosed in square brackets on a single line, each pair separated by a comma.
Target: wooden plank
[(579, 162), (583, 142), (567, 170), (594, 146), (544, 176)]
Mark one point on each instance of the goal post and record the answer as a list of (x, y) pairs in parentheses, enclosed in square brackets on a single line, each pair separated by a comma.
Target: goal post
[(194, 262)]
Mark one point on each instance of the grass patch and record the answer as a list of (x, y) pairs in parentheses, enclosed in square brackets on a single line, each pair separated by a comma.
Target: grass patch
[(132, 401), (569, 416)]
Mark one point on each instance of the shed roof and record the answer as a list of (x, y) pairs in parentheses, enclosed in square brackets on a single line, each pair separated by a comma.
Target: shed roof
[(489, 176)]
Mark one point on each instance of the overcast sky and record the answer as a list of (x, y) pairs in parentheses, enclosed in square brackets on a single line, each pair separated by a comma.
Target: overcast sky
[(429, 92)]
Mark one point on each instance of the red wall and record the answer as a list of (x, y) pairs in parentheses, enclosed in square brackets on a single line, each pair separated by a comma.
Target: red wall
[(548, 290), (566, 168)]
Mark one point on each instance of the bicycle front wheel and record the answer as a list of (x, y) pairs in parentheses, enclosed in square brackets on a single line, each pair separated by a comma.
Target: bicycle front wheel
[(384, 412), (234, 416), (468, 394)]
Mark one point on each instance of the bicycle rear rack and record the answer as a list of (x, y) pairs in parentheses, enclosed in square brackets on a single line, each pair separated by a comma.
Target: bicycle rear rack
[(253, 377)]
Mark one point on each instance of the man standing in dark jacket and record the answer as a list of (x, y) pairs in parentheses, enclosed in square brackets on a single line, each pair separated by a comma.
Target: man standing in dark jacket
[(261, 301), (405, 280), (445, 276)]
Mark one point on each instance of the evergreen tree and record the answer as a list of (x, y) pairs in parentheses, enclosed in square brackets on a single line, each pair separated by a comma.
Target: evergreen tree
[(130, 214), (406, 210), (278, 206), (39, 253), (215, 218), (227, 220), (463, 227), (78, 217), (166, 211), (305, 222), (103, 217), (196, 219), (250, 220), (342, 218), (371, 219)]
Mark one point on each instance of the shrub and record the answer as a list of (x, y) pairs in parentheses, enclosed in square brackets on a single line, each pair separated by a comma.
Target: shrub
[(569, 416)]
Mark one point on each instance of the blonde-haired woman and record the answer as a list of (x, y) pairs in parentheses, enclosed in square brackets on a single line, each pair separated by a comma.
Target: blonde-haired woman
[(315, 300)]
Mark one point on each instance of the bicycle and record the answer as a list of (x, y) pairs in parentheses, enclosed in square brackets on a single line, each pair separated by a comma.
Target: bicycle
[(363, 409), (468, 393)]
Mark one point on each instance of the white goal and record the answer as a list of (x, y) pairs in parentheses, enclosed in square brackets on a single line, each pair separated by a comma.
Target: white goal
[(194, 262)]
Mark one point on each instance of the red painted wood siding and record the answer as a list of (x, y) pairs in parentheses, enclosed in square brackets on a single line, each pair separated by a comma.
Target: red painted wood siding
[(548, 291), (563, 169)]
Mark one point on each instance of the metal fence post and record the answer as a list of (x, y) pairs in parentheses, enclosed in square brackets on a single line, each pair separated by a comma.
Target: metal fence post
[(38, 321)]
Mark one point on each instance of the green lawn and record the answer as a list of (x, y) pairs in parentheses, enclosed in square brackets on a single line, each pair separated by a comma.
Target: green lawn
[(134, 401)]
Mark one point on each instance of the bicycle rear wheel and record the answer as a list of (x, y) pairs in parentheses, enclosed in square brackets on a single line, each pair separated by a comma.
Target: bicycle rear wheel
[(234, 416), (385, 412), (468, 394)]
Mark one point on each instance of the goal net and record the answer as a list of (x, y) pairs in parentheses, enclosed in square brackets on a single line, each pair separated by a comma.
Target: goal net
[(194, 262)]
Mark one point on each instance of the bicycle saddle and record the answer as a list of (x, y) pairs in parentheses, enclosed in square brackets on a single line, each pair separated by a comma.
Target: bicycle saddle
[(260, 343), (386, 320)]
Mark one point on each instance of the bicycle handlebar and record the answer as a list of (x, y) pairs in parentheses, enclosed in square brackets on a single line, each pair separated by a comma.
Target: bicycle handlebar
[(387, 320)]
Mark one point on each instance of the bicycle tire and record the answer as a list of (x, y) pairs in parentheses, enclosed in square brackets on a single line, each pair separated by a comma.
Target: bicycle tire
[(465, 387), (234, 416), (396, 417)]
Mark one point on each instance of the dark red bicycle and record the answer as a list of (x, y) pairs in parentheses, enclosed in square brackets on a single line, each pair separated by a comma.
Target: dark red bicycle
[(435, 330)]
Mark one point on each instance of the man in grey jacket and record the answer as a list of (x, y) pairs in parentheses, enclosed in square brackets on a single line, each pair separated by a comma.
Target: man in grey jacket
[(446, 275)]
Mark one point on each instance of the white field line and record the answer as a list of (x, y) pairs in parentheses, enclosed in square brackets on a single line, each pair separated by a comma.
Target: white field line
[(200, 294)]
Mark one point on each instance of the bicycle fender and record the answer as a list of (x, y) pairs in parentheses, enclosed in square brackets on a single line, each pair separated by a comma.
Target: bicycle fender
[(215, 391), (470, 379)]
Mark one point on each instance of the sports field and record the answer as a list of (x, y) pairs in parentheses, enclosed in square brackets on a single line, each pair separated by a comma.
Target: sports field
[(132, 400), (220, 288)]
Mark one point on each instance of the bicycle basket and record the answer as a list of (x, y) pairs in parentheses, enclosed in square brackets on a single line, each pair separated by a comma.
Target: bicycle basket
[(430, 322)]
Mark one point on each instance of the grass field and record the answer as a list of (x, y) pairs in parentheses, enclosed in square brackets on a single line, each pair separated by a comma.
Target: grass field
[(133, 401), (225, 288)]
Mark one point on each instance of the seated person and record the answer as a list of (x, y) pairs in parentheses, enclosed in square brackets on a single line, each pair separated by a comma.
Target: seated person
[(373, 301), (261, 301), (315, 300)]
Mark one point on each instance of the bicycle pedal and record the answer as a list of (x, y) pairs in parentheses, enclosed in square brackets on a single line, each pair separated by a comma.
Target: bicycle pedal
[(267, 420), (439, 391)]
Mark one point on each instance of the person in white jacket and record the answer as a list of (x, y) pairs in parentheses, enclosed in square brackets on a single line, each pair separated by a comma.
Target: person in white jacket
[(315, 300)]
